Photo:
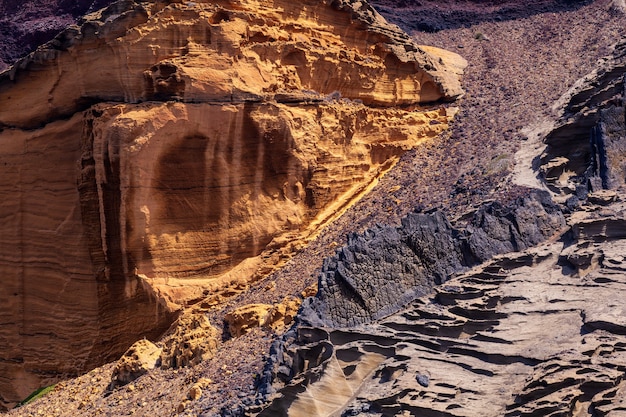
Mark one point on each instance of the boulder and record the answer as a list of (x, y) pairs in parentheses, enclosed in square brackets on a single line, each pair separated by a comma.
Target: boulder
[(191, 340), (139, 359)]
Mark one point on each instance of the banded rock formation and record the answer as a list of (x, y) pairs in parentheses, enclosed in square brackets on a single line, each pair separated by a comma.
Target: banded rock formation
[(586, 147), (163, 150), (535, 333)]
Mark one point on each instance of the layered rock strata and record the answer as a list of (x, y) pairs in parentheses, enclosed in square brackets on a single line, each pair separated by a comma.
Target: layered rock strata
[(379, 272), (585, 148), (535, 333), (161, 151)]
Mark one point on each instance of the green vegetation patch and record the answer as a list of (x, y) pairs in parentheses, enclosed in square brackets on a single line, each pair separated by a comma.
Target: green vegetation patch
[(36, 395)]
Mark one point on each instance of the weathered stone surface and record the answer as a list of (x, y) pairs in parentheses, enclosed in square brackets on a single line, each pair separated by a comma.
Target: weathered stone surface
[(524, 334), (191, 341), (277, 316), (160, 151), (139, 359), (379, 272), (280, 50), (243, 319), (586, 147)]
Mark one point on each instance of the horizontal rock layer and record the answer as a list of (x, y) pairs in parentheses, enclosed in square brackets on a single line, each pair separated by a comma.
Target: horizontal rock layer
[(161, 151), (535, 333), (133, 52)]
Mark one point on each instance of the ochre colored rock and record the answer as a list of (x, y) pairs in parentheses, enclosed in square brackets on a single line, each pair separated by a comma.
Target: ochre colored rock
[(282, 314), (517, 335), (140, 358), (276, 317), (191, 341), (160, 152), (215, 51), (243, 319), (309, 291)]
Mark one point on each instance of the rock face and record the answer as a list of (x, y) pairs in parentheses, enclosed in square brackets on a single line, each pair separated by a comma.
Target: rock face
[(161, 151), (538, 332), (379, 272), (586, 148)]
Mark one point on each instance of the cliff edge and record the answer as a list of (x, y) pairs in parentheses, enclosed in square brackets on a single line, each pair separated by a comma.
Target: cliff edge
[(158, 153)]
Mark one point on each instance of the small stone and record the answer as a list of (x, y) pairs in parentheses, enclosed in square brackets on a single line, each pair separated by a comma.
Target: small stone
[(130, 387), (194, 393), (602, 197), (423, 380), (204, 382), (182, 406)]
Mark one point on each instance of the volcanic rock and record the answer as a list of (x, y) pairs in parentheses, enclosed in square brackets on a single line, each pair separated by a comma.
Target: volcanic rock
[(241, 320), (191, 340), (159, 152), (586, 148), (515, 336), (379, 272), (26, 24)]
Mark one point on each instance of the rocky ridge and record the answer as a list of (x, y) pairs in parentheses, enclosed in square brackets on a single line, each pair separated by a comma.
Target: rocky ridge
[(483, 334), (159, 153), (476, 336), (377, 273)]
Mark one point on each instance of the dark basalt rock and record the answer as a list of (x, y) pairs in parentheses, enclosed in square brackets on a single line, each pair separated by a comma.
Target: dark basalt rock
[(380, 271), (522, 316)]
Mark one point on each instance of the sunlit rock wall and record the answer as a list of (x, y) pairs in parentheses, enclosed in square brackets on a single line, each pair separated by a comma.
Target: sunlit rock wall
[(162, 151)]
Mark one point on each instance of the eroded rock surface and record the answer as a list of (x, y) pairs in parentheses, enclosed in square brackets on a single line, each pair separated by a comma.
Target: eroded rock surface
[(538, 332), (160, 151), (586, 147), (377, 273), (139, 359), (191, 340)]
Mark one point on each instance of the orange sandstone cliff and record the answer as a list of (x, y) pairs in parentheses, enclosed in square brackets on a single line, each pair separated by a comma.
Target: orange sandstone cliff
[(162, 151)]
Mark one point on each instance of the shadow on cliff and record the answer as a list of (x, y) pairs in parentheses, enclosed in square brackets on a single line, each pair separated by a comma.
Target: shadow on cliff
[(437, 15)]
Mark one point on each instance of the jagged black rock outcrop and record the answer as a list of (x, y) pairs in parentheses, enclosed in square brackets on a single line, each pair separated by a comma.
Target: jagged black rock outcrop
[(381, 271), (377, 273), (475, 337)]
